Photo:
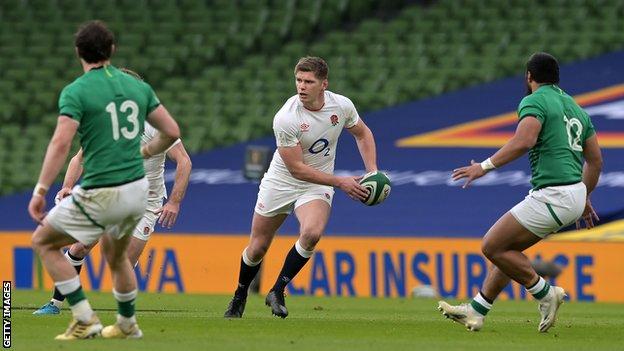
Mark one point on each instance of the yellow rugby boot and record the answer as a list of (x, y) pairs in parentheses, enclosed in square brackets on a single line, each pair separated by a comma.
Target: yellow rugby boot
[(80, 330), (115, 332)]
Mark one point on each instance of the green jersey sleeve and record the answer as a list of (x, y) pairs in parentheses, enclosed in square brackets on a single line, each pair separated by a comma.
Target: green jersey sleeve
[(589, 130), (530, 106), (152, 99), (69, 104)]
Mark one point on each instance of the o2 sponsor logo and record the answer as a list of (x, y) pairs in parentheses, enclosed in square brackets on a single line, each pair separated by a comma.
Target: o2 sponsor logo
[(321, 145)]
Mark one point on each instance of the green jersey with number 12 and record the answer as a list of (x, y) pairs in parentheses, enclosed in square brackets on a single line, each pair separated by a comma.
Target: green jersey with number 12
[(557, 157), (111, 107)]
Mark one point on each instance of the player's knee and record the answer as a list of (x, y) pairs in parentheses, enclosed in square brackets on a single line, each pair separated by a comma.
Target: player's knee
[(80, 250), (37, 243), (489, 250), (116, 262), (309, 238), (41, 243), (257, 250)]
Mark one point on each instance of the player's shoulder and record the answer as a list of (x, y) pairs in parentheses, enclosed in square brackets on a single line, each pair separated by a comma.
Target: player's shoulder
[(535, 99), (74, 87), (288, 110), (340, 100), (132, 78)]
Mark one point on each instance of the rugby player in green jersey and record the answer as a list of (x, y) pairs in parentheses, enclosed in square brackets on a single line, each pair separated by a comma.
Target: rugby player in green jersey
[(558, 135), (108, 109)]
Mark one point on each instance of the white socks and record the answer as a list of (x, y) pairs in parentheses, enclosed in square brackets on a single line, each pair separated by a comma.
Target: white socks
[(126, 323), (248, 261), (82, 311), (68, 286), (303, 252), (540, 289)]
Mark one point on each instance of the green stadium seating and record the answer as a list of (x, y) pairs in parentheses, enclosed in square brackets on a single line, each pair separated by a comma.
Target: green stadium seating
[(224, 67)]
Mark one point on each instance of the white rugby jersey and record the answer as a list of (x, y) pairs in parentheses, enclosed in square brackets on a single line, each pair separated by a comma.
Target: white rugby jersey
[(316, 131), (155, 167)]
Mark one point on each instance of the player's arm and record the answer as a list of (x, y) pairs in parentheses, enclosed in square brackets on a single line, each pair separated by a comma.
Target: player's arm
[(523, 140), (366, 144), (591, 175), (73, 173), (293, 159), (593, 163), (169, 212), (55, 157), (169, 132)]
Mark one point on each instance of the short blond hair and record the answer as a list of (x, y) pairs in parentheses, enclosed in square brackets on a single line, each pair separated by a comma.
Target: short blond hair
[(316, 65)]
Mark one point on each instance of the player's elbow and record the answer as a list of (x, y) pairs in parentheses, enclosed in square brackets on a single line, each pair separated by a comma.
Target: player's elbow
[(174, 132), (595, 163), (60, 145), (187, 162), (184, 163), (525, 144)]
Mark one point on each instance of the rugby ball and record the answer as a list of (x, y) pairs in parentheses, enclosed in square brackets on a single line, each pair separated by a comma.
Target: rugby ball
[(378, 185)]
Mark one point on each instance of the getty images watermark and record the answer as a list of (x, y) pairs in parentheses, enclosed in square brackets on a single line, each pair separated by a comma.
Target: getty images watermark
[(6, 314)]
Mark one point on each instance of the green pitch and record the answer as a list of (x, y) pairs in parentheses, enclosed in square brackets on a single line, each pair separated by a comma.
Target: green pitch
[(194, 322)]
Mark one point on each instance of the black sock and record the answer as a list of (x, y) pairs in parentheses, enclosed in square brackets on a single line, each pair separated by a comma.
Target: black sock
[(57, 294), (245, 276), (292, 265)]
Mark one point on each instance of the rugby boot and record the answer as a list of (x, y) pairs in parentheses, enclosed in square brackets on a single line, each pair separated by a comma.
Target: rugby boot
[(549, 306), (275, 300), (116, 332), (463, 314), (80, 330), (236, 307), (46, 309)]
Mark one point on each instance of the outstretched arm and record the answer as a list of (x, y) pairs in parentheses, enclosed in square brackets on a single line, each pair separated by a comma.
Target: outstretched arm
[(523, 140), (183, 171), (366, 144)]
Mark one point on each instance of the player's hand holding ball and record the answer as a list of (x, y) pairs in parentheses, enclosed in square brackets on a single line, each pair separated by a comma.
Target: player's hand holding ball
[(352, 187), (378, 187)]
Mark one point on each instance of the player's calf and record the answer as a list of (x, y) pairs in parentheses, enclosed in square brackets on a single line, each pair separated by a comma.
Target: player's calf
[(54, 306), (248, 271)]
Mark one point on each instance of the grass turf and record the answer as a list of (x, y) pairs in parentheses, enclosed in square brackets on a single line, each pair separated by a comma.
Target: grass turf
[(195, 322)]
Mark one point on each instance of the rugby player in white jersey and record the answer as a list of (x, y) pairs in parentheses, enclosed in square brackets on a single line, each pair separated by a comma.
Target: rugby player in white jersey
[(300, 178), (166, 215)]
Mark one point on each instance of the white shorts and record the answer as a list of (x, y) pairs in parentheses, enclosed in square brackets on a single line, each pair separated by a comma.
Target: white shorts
[(547, 210), (275, 197), (145, 227), (87, 214)]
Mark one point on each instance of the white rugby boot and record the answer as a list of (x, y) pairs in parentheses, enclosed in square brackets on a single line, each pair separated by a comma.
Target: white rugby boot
[(549, 306), (463, 314)]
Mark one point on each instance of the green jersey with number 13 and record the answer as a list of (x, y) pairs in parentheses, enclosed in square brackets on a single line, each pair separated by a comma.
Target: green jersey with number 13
[(111, 107), (557, 157)]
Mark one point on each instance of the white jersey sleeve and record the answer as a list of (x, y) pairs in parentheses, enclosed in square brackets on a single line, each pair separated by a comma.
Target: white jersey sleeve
[(350, 112), (286, 130), (155, 166)]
